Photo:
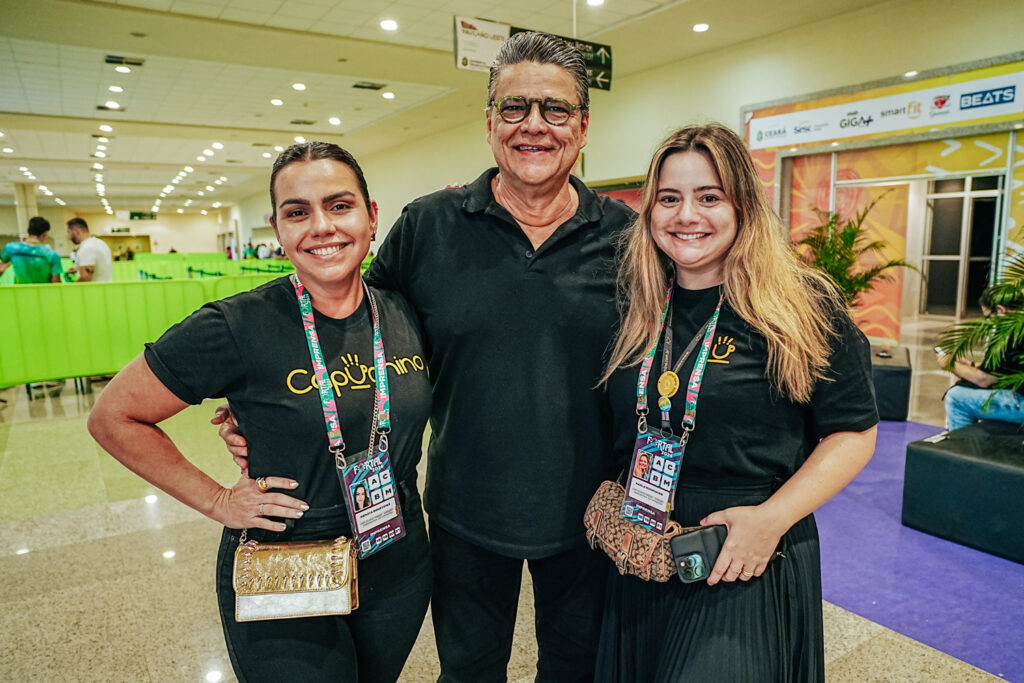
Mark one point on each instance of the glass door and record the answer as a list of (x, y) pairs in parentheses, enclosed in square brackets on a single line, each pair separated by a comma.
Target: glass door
[(962, 222)]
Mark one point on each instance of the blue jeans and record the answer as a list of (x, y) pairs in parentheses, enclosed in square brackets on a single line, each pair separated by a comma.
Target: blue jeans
[(966, 406)]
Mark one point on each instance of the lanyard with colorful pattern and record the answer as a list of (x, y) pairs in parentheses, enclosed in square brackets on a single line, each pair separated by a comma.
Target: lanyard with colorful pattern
[(696, 377), (382, 397)]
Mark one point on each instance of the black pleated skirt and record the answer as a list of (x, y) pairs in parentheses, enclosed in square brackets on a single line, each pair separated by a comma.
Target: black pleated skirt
[(759, 631)]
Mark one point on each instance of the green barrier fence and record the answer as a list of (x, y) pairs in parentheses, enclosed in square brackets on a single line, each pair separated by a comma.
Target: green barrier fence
[(58, 331)]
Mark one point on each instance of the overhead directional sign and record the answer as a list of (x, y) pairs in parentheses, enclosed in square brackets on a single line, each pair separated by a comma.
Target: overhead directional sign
[(477, 42), (597, 56)]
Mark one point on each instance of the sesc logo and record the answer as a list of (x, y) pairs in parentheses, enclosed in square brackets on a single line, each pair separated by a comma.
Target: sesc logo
[(988, 98), (802, 127), (856, 120)]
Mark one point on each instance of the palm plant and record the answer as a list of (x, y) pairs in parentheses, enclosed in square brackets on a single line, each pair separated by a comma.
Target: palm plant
[(994, 335), (841, 253)]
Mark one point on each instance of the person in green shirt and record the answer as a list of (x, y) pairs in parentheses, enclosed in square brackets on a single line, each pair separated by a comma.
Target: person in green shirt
[(34, 262)]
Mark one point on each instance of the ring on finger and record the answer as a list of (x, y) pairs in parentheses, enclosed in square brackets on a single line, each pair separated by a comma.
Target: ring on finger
[(261, 483), (260, 508), (748, 574)]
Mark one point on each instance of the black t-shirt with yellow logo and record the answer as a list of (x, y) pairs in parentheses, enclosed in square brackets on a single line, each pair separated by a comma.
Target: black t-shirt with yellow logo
[(745, 433), (251, 349)]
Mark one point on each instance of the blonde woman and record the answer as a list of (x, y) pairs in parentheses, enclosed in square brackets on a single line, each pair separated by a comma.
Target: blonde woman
[(783, 418)]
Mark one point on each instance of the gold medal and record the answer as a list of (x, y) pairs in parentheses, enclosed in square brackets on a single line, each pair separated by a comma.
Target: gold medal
[(668, 384)]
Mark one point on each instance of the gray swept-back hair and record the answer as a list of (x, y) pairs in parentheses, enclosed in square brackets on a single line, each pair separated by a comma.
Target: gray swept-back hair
[(543, 48)]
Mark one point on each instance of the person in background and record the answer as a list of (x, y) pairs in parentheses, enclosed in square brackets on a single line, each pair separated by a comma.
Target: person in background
[(972, 398), (94, 262), (250, 348), (513, 279), (34, 262), (784, 419)]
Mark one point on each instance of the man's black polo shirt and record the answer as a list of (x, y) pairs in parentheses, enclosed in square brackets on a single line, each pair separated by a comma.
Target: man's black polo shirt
[(516, 339)]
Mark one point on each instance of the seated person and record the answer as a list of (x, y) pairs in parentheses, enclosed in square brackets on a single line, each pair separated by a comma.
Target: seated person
[(972, 398)]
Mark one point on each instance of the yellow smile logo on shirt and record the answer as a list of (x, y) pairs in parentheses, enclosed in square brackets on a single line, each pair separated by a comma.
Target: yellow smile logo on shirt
[(721, 350)]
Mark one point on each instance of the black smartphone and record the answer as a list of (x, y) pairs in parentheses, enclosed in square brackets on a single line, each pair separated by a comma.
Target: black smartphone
[(695, 552)]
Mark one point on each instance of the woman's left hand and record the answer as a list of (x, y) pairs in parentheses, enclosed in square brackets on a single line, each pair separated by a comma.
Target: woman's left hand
[(751, 542)]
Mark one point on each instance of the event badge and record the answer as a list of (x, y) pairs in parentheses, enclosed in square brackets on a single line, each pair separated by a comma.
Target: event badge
[(653, 475), (371, 494)]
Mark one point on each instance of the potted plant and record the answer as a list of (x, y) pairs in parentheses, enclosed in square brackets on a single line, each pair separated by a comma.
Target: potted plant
[(843, 253), (994, 336)]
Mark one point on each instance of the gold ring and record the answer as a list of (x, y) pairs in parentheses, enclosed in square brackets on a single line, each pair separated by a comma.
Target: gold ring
[(748, 573), (261, 483)]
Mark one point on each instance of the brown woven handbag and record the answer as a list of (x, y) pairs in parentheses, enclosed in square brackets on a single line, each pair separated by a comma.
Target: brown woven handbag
[(635, 550)]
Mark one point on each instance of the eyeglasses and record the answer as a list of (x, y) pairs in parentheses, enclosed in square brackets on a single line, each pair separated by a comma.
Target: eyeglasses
[(515, 109)]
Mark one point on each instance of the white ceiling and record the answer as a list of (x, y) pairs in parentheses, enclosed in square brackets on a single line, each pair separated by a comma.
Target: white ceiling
[(211, 68)]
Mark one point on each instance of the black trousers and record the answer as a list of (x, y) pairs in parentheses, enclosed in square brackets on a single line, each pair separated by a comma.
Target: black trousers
[(476, 595), (370, 645)]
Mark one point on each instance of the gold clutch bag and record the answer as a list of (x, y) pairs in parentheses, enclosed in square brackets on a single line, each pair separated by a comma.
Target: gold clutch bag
[(294, 579)]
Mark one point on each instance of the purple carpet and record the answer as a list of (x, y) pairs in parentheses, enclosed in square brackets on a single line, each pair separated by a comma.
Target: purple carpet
[(964, 602)]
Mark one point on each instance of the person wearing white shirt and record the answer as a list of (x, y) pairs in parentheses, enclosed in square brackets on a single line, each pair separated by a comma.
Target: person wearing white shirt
[(94, 262)]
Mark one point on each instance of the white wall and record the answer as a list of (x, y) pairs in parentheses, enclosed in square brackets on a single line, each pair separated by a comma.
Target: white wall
[(185, 232), (628, 122)]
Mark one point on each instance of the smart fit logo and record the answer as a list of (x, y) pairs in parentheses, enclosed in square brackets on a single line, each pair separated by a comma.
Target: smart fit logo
[(353, 374)]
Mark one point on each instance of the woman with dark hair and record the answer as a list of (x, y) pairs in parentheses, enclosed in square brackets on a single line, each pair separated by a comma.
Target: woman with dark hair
[(264, 350), (777, 408)]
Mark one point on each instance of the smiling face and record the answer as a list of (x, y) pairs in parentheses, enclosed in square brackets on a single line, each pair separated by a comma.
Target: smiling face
[(692, 220), (532, 154), (322, 221)]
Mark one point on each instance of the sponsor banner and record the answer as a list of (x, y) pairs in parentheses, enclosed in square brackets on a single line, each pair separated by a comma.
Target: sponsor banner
[(965, 102), (477, 42)]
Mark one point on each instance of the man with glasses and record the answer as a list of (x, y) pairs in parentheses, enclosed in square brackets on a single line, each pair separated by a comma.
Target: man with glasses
[(513, 279)]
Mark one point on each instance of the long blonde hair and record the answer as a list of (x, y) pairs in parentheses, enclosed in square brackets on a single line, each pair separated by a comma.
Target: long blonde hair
[(790, 304)]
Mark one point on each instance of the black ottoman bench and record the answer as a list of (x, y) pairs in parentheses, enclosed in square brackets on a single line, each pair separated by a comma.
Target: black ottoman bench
[(967, 486), (890, 370)]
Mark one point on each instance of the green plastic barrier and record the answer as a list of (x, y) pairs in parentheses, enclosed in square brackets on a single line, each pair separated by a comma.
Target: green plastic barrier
[(81, 330)]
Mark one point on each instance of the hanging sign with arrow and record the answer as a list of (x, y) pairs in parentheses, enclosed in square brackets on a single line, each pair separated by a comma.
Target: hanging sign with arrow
[(477, 42)]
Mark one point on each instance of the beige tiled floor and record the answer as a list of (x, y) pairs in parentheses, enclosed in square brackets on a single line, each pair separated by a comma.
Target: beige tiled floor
[(99, 584)]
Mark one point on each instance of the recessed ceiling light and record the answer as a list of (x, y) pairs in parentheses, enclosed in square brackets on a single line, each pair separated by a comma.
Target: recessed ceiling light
[(835, 144), (98, 167), (188, 169), (278, 148), (276, 102), (204, 212), (59, 201), (8, 150), (103, 140), (163, 194), (154, 209), (100, 154), (595, 3), (216, 205), (23, 168), (176, 181), (217, 145), (388, 95), (218, 181), (31, 177), (1, 133), (209, 188), (188, 202), (111, 104), (201, 193), (298, 86), (122, 69), (115, 88), (389, 25), (266, 155), (101, 147), (334, 121), (700, 28), (181, 210), (200, 158), (299, 139), (214, 676), (106, 129), (910, 74), (223, 178), (208, 152)]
